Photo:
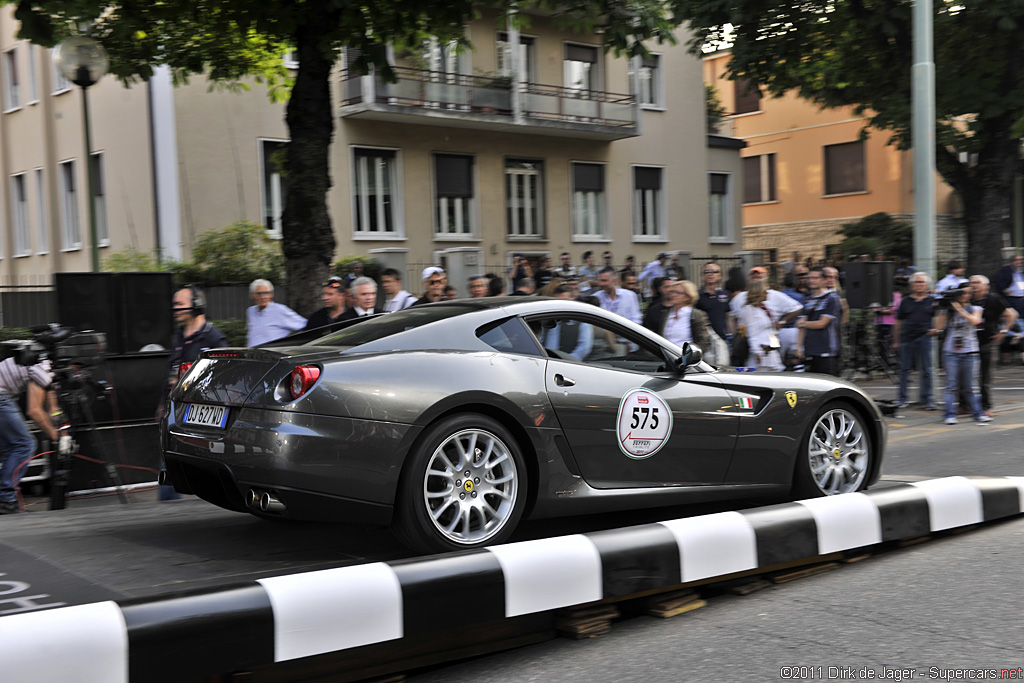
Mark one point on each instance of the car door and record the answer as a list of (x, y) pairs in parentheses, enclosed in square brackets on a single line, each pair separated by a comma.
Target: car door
[(630, 421)]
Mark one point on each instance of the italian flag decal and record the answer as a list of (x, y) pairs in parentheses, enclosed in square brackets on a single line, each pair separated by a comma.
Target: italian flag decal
[(747, 403)]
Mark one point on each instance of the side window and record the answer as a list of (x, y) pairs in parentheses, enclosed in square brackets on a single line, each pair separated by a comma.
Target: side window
[(509, 336), (593, 342)]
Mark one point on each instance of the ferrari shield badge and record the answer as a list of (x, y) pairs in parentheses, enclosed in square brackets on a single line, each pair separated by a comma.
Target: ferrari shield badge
[(791, 398), (644, 423)]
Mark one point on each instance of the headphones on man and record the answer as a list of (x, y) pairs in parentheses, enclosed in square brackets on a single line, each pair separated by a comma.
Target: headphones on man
[(198, 300)]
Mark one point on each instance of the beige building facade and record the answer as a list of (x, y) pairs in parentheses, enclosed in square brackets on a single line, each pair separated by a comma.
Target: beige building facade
[(807, 172), (465, 160)]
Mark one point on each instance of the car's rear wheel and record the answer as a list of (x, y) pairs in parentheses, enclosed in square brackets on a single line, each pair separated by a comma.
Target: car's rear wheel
[(835, 456), (463, 487)]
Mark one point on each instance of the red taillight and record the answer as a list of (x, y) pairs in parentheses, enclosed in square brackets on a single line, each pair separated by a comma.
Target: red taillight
[(182, 369), (302, 378)]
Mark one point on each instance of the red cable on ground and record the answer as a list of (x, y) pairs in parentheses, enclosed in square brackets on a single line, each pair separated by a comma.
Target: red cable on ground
[(15, 478)]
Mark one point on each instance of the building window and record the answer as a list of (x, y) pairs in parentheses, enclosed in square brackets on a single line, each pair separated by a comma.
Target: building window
[(71, 237), (291, 59), (19, 215), (747, 96), (453, 181), (648, 220), (581, 69), (844, 168), (12, 94), (759, 179), (375, 188), (720, 208), (33, 76), (526, 57), (44, 237), (588, 215), (524, 196), (99, 199), (273, 186), (648, 81), (60, 83)]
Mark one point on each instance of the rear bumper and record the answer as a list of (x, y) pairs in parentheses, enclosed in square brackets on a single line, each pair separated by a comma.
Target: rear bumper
[(222, 485)]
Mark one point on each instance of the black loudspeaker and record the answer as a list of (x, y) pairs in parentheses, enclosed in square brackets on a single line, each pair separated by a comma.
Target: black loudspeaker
[(145, 309), (868, 283), (89, 301), (133, 309)]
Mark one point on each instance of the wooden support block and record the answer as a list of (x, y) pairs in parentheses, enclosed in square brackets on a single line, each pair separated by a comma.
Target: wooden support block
[(784, 577), (916, 540), (676, 611), (586, 622), (673, 603), (850, 559), (749, 587)]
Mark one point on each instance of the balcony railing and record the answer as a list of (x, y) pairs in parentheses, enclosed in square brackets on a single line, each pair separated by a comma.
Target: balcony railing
[(462, 96)]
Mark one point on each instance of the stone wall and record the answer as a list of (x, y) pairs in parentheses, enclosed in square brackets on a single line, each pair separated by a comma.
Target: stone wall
[(811, 237)]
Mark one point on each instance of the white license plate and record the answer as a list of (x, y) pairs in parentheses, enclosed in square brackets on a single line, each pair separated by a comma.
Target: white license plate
[(207, 416)]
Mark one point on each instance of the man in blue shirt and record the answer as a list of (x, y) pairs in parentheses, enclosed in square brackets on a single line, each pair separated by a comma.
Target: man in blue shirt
[(818, 326), (912, 335), (613, 298), (269, 320)]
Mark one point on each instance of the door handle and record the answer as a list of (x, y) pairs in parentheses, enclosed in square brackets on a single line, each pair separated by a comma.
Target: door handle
[(564, 381)]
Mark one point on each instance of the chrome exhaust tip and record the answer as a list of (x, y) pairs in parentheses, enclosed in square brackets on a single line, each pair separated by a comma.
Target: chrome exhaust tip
[(252, 498), (270, 503)]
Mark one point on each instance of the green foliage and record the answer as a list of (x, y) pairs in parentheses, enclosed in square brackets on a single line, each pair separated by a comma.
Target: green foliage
[(878, 232), (713, 106), (8, 333), (131, 260), (371, 267), (233, 329), (239, 253)]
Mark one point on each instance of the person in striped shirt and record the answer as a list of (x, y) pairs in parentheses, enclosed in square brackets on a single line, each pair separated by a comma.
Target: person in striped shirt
[(17, 445)]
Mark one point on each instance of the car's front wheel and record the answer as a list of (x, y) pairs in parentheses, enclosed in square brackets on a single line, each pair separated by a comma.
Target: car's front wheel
[(835, 456), (463, 487)]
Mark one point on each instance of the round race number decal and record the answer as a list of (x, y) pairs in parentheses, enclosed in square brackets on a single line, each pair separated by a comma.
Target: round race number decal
[(644, 423)]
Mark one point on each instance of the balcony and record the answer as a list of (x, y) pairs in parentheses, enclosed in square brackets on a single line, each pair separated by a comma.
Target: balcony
[(487, 103)]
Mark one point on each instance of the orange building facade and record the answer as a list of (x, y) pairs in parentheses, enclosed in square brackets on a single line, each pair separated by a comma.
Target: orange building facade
[(807, 172)]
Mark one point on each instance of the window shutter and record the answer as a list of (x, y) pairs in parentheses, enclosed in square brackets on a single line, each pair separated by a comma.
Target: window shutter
[(771, 178), (581, 53), (844, 168), (751, 180), (719, 183), (97, 177), (352, 54), (748, 96), (646, 178), (377, 153), (454, 175), (650, 62), (588, 177)]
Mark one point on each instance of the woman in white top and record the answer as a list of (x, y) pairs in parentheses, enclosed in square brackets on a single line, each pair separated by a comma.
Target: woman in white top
[(960, 355), (759, 326)]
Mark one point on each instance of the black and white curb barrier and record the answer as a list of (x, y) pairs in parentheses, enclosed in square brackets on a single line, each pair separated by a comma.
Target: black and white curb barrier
[(284, 618)]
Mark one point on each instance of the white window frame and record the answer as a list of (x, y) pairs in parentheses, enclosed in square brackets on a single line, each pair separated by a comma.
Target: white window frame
[(397, 194), (33, 74), (636, 70), (61, 84), (658, 205), (276, 190), (520, 175), (596, 201), (99, 200), (595, 73), (527, 56), (466, 209), (20, 228), (12, 82), (43, 228), (291, 59), (727, 213), (70, 225)]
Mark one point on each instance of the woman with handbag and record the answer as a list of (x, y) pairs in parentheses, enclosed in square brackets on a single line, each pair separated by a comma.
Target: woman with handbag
[(758, 325)]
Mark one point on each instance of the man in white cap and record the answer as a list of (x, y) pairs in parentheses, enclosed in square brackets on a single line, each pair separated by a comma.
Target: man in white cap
[(434, 281)]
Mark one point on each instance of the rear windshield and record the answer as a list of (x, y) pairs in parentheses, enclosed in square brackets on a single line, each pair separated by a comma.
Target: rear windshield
[(385, 326)]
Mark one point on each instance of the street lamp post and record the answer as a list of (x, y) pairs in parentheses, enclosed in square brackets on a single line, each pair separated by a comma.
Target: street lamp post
[(83, 61)]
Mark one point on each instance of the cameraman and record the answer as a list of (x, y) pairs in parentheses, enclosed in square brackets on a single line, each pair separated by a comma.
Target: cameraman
[(16, 443)]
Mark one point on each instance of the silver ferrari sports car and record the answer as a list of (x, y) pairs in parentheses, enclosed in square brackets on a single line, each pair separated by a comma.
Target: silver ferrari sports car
[(451, 422)]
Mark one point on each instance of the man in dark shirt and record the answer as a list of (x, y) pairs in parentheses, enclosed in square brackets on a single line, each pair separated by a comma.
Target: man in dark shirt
[(818, 340), (332, 294), (912, 335), (715, 302), (996, 316)]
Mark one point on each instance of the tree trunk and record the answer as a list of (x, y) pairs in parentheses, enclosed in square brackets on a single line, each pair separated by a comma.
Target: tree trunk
[(307, 237), (987, 194)]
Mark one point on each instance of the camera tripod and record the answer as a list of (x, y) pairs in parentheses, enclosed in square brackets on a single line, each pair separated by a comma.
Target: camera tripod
[(864, 352), (76, 391)]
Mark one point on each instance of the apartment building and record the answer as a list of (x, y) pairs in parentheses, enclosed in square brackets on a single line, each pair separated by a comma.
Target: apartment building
[(535, 142), (806, 172)]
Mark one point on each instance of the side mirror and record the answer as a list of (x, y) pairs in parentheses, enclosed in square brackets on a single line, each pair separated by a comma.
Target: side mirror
[(691, 356)]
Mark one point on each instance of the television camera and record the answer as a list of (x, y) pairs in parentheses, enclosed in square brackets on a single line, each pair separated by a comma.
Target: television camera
[(73, 356)]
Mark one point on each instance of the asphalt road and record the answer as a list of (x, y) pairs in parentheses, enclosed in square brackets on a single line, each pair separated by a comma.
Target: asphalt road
[(950, 603)]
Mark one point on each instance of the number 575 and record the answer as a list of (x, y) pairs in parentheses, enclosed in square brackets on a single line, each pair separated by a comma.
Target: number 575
[(641, 416)]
